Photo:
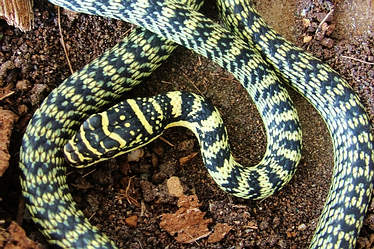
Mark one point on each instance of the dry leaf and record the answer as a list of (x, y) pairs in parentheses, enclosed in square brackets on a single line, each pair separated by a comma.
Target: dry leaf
[(135, 155), (220, 231), (132, 221), (188, 221), (15, 238)]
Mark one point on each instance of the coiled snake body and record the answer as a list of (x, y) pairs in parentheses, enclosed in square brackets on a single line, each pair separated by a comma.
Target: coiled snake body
[(104, 80)]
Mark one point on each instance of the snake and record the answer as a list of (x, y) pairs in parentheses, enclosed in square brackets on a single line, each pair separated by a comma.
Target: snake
[(247, 48)]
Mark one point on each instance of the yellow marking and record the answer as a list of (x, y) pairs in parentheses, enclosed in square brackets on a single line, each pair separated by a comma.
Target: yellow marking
[(74, 151), (87, 144), (175, 102), (140, 115), (112, 135)]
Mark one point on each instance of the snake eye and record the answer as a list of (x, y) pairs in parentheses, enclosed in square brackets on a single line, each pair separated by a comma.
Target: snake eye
[(111, 153)]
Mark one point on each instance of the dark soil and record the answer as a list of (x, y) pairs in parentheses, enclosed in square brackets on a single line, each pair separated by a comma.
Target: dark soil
[(285, 220)]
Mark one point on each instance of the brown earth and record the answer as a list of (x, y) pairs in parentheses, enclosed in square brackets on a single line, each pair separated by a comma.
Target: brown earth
[(113, 191)]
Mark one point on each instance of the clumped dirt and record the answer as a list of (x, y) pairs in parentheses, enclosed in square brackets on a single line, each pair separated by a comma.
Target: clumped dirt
[(126, 198)]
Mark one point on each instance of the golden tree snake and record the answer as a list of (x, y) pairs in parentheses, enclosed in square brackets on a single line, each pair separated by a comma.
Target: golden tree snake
[(246, 47)]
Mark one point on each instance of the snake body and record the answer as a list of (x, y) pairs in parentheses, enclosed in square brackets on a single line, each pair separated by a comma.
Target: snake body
[(103, 81)]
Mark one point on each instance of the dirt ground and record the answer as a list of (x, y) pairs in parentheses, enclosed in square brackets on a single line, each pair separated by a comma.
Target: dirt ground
[(112, 192)]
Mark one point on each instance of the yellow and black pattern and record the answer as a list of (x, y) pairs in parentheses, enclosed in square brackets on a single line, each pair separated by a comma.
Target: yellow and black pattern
[(136, 122), (193, 30), (340, 108), (104, 81), (85, 93)]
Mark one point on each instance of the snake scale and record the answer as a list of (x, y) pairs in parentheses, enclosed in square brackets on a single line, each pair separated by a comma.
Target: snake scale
[(241, 48)]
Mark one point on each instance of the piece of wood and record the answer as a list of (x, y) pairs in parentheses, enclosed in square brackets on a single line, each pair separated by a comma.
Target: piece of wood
[(18, 13)]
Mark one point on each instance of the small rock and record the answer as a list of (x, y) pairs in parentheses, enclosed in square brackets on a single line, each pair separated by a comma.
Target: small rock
[(363, 242), (148, 191), (174, 186), (307, 38), (312, 28), (327, 42), (301, 227), (276, 222), (8, 65), (370, 221), (135, 155), (319, 36), (23, 85), (264, 225), (22, 109), (71, 15), (321, 16), (36, 94), (330, 29), (282, 243), (306, 22)]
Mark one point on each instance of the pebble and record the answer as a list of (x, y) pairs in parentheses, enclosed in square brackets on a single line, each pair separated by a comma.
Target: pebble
[(370, 221), (174, 186), (264, 225), (22, 109), (301, 227), (307, 38), (327, 42), (135, 155), (36, 94), (23, 85)]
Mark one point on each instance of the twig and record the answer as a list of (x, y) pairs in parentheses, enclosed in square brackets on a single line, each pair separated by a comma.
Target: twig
[(166, 141), (7, 95), (92, 215), (140, 243), (324, 20), (90, 172), (62, 40), (131, 200), (355, 59)]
